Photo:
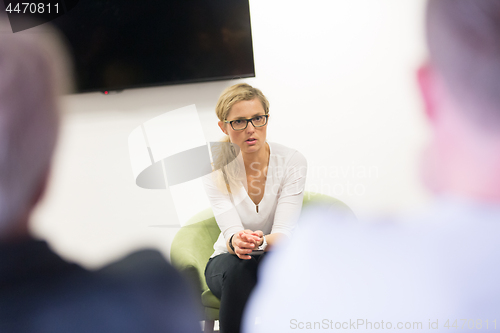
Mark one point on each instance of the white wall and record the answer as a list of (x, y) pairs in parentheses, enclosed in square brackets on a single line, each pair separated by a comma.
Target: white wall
[(340, 79)]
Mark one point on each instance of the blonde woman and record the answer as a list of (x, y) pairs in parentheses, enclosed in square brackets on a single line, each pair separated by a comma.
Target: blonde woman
[(256, 194)]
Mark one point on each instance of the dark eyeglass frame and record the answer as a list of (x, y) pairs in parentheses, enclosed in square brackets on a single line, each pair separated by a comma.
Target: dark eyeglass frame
[(248, 120)]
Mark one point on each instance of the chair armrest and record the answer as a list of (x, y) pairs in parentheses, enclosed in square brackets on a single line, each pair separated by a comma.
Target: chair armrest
[(191, 248)]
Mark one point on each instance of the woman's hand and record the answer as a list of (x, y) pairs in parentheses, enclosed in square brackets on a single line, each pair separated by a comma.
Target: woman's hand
[(261, 236), (245, 242)]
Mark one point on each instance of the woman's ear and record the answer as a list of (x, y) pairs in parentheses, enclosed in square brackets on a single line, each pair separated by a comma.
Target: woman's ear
[(222, 127)]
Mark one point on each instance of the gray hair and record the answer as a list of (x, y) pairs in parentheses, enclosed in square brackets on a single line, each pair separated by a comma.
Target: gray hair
[(34, 71), (464, 44)]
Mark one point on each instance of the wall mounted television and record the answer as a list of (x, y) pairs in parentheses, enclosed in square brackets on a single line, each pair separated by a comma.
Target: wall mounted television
[(122, 44)]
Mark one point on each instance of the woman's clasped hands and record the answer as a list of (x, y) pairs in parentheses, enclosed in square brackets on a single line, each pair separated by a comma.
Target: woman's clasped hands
[(246, 241)]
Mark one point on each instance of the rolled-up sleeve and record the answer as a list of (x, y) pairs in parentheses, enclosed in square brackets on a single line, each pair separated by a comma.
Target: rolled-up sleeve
[(225, 213), (291, 196)]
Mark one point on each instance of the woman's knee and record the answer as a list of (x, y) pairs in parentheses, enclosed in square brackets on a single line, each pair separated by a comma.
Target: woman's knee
[(241, 270)]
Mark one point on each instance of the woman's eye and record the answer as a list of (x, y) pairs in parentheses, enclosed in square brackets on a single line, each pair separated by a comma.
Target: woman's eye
[(238, 122), (258, 118)]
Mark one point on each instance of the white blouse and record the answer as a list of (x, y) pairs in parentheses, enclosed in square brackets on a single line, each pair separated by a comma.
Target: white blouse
[(280, 207)]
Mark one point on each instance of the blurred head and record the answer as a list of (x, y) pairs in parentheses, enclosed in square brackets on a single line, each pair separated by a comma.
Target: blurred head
[(242, 101), (460, 85), (31, 78)]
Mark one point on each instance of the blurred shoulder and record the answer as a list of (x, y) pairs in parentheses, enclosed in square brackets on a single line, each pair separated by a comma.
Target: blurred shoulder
[(436, 233), (432, 264), (142, 291)]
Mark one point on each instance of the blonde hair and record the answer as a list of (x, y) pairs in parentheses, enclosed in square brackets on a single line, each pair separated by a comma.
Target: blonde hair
[(225, 154)]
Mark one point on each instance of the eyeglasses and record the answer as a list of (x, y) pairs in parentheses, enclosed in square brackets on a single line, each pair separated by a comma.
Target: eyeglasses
[(241, 124)]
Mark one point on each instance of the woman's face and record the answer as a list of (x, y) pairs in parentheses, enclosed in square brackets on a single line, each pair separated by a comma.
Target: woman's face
[(251, 139)]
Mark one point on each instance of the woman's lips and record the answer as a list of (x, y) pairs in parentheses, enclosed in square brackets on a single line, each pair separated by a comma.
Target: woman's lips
[(251, 141)]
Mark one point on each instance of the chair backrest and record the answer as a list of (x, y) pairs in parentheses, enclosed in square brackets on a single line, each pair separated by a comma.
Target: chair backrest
[(191, 248), (323, 199)]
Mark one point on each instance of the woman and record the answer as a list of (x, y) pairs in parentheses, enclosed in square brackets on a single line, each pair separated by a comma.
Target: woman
[(256, 194)]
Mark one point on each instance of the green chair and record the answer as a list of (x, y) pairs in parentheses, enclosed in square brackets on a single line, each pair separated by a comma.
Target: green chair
[(193, 245)]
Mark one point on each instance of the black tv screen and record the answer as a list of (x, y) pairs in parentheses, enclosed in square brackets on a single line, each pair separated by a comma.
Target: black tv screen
[(120, 44)]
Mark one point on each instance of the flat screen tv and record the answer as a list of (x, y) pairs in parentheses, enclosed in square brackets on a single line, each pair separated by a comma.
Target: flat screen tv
[(122, 44)]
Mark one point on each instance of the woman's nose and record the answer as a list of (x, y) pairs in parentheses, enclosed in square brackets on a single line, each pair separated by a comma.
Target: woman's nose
[(250, 127)]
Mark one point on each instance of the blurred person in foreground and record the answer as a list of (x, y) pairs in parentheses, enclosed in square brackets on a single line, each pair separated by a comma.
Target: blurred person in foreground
[(39, 291), (433, 271)]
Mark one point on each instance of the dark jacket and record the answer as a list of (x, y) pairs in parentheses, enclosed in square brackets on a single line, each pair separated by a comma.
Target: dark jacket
[(41, 292)]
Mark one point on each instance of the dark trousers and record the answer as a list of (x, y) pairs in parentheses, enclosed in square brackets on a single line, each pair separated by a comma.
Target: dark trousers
[(232, 279)]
